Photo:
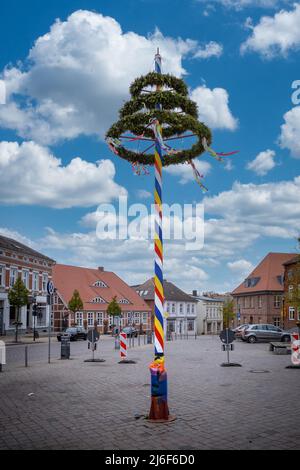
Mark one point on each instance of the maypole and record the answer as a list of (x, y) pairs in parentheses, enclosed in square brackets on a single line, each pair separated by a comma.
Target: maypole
[(166, 108), (159, 398)]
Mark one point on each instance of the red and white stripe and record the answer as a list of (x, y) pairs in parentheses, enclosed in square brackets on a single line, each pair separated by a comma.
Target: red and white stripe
[(295, 349), (123, 345)]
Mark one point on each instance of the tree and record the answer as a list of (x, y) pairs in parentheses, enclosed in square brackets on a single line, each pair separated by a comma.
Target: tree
[(294, 285), (114, 310), (18, 297), (228, 313), (75, 304)]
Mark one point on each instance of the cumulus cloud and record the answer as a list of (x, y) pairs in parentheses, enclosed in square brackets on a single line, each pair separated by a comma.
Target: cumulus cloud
[(290, 132), (263, 163), (31, 174), (213, 107), (78, 76), (277, 35), (211, 49), (185, 172), (240, 266)]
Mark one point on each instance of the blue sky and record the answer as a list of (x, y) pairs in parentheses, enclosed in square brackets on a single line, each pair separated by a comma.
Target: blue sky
[(66, 79)]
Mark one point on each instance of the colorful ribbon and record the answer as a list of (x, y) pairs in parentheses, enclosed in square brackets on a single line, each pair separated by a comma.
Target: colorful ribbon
[(198, 176)]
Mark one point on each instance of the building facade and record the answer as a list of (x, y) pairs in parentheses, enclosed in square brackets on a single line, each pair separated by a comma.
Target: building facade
[(291, 299), (35, 269), (259, 298), (97, 288), (209, 314), (180, 309)]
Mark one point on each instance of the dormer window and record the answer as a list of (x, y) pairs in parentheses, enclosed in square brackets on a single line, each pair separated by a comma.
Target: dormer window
[(251, 281), (124, 301), (98, 300), (99, 284)]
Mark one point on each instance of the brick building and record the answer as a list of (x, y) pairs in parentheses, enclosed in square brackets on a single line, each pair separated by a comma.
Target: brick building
[(258, 299), (291, 305), (97, 288), (180, 308), (35, 269)]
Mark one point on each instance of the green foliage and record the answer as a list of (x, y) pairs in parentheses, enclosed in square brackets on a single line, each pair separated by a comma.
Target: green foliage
[(294, 280), (114, 308), (228, 313), (136, 115), (18, 294), (75, 304)]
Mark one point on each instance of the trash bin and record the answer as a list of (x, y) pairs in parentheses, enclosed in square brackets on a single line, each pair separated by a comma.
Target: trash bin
[(65, 347)]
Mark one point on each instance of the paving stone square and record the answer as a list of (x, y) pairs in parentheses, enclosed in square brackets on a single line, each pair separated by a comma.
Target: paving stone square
[(77, 405)]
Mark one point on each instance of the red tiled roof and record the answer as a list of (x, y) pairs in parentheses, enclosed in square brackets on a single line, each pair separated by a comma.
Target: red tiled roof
[(68, 278), (268, 272)]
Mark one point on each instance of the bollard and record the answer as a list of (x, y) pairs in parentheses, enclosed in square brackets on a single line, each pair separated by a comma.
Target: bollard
[(123, 349), (144, 338), (26, 356), (139, 340)]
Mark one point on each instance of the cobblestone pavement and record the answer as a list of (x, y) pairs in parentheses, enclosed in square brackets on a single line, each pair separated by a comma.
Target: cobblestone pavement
[(77, 405)]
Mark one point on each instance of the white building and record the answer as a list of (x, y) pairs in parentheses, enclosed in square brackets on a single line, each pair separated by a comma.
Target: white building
[(209, 315), (180, 308), (35, 269)]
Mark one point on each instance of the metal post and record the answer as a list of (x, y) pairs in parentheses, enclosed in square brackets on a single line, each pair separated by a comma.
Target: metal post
[(26, 356), (227, 345)]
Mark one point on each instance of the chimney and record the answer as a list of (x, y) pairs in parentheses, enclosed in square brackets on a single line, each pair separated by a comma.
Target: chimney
[(101, 268), (194, 293)]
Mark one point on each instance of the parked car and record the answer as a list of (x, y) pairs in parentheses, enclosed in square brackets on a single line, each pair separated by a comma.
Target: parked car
[(239, 330), (74, 333), (265, 332), (130, 331)]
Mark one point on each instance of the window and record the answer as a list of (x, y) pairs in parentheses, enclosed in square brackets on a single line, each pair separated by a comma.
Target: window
[(181, 308), (25, 278), (99, 317), (168, 307), (124, 301), (190, 325), (98, 300), (251, 281), (188, 308), (251, 302), (277, 321), (291, 313), (259, 301), (79, 318), (193, 308), (2, 276), (13, 276), (45, 282), (291, 288), (99, 284), (277, 301), (137, 317), (145, 317), (35, 281), (173, 308), (90, 318)]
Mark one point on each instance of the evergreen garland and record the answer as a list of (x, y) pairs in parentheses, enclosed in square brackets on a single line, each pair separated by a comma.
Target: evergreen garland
[(178, 115)]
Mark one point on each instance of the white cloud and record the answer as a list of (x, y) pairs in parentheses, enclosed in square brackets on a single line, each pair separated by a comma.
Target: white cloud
[(30, 174), (214, 107), (143, 194), (263, 162), (79, 74), (211, 49), (276, 35), (290, 132), (184, 171), (240, 266), (240, 4), (6, 232)]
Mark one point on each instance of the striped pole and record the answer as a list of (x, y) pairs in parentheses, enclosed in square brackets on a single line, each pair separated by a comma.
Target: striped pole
[(295, 346), (159, 411), (123, 345)]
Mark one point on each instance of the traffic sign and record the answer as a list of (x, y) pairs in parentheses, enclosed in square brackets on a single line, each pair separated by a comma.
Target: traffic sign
[(93, 336), (227, 336), (50, 288)]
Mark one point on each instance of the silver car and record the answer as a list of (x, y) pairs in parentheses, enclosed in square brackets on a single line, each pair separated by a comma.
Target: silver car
[(264, 332)]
